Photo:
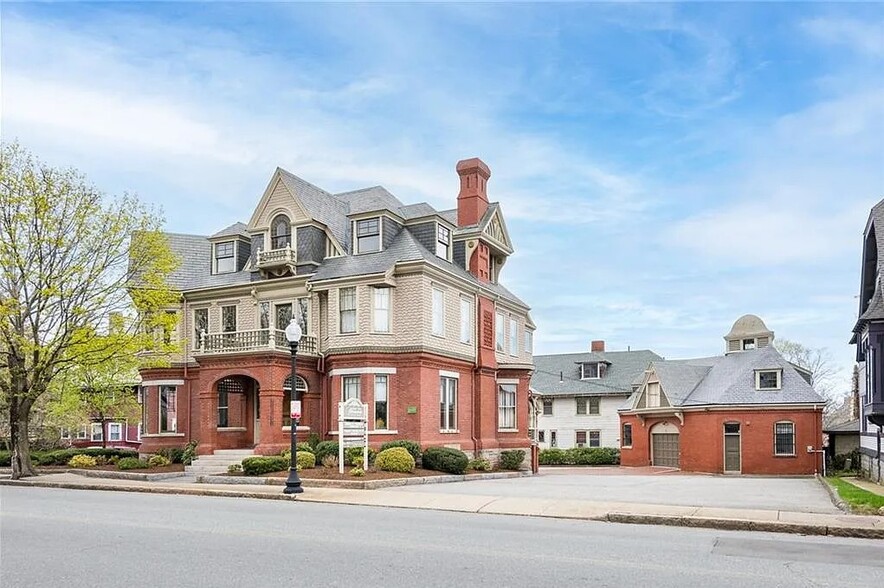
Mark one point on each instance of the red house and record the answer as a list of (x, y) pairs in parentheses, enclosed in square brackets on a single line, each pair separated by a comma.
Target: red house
[(401, 306), (749, 411)]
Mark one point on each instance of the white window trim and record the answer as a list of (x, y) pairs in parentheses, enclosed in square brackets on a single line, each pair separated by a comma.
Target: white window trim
[(794, 439), (435, 333), (374, 310), (358, 386), (374, 402), (515, 407), (355, 330), (500, 332), (215, 257), (65, 433), (513, 339), (446, 257), (529, 340), (92, 432), (361, 370), (631, 433), (110, 437), (456, 402), (221, 308), (173, 430), (779, 385), (466, 320), (598, 370), (447, 374), (552, 405)]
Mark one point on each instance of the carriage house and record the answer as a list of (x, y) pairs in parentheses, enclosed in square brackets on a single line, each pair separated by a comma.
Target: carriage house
[(748, 411), (401, 306)]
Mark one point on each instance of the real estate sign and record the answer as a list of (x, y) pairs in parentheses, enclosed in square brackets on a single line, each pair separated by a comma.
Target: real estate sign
[(352, 429)]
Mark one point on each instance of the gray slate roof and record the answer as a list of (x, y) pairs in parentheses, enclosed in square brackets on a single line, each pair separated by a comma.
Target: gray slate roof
[(624, 369), (730, 379), (332, 210), (875, 309), (848, 427)]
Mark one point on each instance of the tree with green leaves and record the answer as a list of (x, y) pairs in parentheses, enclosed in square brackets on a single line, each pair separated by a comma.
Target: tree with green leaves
[(72, 257)]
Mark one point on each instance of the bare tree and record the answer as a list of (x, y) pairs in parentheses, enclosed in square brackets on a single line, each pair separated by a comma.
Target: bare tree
[(818, 362), (70, 258)]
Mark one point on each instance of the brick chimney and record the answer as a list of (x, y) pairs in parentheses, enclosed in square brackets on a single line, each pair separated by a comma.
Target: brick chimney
[(472, 201), (597, 347)]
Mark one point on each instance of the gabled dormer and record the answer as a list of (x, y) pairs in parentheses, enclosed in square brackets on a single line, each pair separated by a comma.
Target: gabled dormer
[(231, 249), (593, 370), (748, 333), (651, 393)]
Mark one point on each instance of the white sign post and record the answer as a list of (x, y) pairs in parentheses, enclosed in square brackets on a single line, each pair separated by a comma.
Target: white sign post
[(352, 429)]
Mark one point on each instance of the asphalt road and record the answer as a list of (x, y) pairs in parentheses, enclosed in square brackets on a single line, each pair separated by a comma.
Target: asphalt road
[(65, 538)]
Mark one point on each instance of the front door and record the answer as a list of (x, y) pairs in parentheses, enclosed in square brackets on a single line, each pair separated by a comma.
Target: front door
[(732, 448), (665, 449)]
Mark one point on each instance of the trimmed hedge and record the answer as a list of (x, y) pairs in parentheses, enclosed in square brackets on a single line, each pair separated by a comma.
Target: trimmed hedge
[(580, 456), (132, 463), (395, 459), (512, 459), (445, 459), (413, 448), (256, 466), (306, 460), (479, 465), (324, 448), (82, 461), (61, 457)]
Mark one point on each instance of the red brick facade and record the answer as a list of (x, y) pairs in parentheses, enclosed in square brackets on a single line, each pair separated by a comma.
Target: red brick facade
[(701, 440)]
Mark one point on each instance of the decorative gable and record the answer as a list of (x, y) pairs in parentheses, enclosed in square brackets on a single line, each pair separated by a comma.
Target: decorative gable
[(277, 199), (494, 229), (652, 393)]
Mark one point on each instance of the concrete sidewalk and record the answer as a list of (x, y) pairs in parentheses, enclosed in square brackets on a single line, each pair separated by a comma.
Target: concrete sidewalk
[(777, 521)]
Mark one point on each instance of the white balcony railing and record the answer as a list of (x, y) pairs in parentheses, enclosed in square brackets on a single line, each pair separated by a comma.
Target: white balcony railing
[(276, 257), (255, 340)]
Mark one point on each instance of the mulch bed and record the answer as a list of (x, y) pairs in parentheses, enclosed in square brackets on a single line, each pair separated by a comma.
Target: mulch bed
[(175, 467), (333, 474)]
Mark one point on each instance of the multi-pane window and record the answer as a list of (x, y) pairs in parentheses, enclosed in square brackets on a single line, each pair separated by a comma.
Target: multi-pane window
[(283, 315), (768, 380), (588, 405), (300, 390), (438, 312), (380, 402), (115, 432), (506, 406), (553, 439), (168, 409), (223, 404), (591, 370), (350, 387), (368, 235), (541, 436), (529, 341), (264, 315), (595, 438), (653, 395), (381, 309), (514, 336), (588, 438), (547, 406), (200, 324), (499, 334), (466, 320), (225, 261), (626, 441), (347, 302), (82, 433), (447, 403), (784, 438), (443, 241), (65, 433), (98, 431), (280, 232)]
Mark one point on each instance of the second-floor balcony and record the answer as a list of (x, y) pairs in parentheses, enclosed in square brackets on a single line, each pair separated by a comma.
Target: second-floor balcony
[(277, 259), (255, 340)]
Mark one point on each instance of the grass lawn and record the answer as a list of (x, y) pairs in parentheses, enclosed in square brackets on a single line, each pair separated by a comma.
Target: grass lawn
[(857, 498)]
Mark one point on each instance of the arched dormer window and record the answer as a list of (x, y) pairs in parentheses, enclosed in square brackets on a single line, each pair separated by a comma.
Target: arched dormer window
[(280, 232)]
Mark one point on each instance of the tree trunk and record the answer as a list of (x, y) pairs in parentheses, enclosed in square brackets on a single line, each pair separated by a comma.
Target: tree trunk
[(21, 446), (103, 433)]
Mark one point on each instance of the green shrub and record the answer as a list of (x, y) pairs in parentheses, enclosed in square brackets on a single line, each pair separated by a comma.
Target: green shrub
[(395, 459), (555, 456), (351, 453), (82, 461), (63, 456), (479, 465), (594, 456), (413, 448), (100, 460), (158, 461), (445, 459), (189, 453), (173, 454), (357, 472), (313, 440), (324, 448), (512, 459), (306, 460), (330, 461), (234, 468), (5, 459), (132, 463), (256, 466)]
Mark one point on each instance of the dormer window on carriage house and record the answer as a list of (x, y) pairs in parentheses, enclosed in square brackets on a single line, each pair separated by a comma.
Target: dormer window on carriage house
[(280, 232), (368, 235), (443, 241), (225, 257)]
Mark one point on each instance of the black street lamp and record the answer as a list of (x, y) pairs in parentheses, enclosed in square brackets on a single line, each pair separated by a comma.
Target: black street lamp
[(293, 483)]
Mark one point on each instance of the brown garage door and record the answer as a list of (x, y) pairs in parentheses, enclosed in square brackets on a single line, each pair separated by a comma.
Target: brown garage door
[(665, 447)]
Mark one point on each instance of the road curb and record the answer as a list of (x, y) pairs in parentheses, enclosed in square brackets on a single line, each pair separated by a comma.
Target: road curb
[(611, 517), (833, 495)]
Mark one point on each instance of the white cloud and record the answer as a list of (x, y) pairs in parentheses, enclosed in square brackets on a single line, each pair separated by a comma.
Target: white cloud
[(862, 36)]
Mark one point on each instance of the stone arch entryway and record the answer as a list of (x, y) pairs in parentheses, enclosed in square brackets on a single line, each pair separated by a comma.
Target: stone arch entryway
[(237, 417)]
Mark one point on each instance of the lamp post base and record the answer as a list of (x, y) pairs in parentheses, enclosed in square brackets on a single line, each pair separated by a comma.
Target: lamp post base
[(293, 483)]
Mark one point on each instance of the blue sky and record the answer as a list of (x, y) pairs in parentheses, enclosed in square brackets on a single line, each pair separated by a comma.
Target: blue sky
[(663, 169)]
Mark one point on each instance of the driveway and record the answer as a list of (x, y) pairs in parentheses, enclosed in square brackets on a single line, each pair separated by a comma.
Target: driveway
[(652, 487)]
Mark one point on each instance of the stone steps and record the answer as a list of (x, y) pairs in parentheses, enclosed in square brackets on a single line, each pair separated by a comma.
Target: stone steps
[(217, 463)]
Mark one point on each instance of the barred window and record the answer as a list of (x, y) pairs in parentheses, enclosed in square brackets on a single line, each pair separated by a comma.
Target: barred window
[(784, 438)]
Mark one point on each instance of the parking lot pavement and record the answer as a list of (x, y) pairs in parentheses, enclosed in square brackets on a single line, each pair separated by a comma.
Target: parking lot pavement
[(790, 494)]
